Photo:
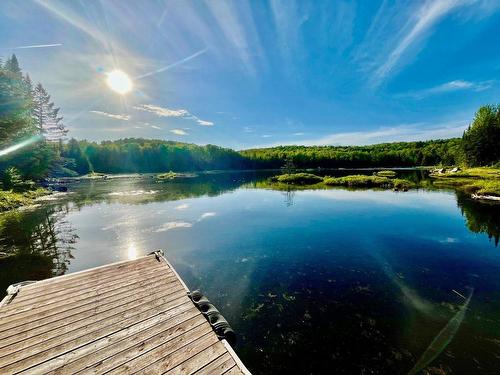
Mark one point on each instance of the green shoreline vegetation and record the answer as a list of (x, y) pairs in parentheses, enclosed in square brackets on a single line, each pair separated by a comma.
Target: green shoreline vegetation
[(33, 138), (352, 181)]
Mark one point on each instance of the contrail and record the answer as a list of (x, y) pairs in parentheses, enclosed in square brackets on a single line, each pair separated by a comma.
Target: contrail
[(39, 46), (186, 59)]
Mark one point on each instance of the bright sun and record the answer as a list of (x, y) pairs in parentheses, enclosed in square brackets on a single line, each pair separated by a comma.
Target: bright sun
[(119, 82)]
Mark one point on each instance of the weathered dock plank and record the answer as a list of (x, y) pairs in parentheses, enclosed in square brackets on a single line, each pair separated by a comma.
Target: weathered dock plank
[(128, 317)]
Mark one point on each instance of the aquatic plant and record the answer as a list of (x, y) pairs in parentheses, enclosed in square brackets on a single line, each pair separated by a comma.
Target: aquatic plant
[(389, 174), (298, 179)]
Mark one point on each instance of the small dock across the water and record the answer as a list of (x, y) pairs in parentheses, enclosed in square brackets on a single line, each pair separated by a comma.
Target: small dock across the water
[(128, 317)]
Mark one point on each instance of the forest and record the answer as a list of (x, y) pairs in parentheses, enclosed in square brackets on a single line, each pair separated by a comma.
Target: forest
[(33, 145), (141, 155)]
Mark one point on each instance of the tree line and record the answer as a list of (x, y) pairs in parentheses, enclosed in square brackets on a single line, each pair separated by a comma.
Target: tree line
[(146, 155), (28, 117)]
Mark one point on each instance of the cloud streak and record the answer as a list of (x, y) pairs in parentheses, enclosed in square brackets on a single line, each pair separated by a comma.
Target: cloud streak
[(178, 132), (39, 46), (399, 133), (166, 112), (170, 66), (426, 17), (112, 115), (456, 85)]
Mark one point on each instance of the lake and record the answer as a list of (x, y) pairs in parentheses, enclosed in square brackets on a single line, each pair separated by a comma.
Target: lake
[(312, 281)]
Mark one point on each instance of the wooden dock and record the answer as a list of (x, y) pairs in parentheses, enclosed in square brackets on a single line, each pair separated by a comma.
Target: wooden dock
[(128, 317)]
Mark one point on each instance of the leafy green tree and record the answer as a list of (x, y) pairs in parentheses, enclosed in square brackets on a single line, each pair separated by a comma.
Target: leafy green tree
[(481, 141)]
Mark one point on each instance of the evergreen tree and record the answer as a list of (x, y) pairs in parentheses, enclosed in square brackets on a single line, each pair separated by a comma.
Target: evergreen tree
[(12, 65), (481, 141), (46, 115)]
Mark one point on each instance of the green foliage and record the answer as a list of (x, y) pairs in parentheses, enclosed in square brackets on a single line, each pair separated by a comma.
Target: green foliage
[(481, 181), (10, 199), (288, 167), (359, 181), (150, 155), (11, 178), (481, 141), (398, 154), (298, 179), (369, 181), (17, 125), (390, 174)]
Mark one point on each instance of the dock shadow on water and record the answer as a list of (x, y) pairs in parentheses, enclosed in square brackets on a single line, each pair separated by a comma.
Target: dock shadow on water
[(313, 281)]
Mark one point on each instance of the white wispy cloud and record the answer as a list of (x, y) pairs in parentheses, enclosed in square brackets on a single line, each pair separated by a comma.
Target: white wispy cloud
[(204, 123), (112, 115), (400, 133), (455, 85), (425, 18), (155, 127), (178, 132), (170, 66), (161, 111), (39, 46), (167, 112), (419, 131), (404, 27), (266, 135), (298, 134)]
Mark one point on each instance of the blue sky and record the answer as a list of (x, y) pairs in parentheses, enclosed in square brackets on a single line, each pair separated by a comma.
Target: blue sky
[(257, 73)]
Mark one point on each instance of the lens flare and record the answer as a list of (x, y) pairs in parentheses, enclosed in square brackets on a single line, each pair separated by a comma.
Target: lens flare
[(119, 82), (20, 145)]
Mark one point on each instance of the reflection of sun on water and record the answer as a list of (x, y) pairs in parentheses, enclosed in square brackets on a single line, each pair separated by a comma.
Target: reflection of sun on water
[(132, 251), (119, 82)]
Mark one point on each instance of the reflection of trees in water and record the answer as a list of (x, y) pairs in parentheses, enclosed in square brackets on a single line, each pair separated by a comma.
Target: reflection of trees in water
[(37, 244), (481, 217), (289, 196)]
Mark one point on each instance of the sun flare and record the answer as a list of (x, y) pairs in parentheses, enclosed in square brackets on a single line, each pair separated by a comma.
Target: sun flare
[(119, 82)]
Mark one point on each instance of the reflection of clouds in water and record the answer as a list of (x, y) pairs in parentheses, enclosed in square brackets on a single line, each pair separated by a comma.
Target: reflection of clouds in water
[(449, 240), (182, 206), (206, 215), (418, 199), (133, 193), (116, 225), (172, 225)]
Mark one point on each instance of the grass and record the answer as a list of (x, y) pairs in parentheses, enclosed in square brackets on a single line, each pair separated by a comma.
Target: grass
[(390, 174), (481, 181), (298, 179), (10, 200), (173, 175), (166, 176), (307, 179), (369, 181)]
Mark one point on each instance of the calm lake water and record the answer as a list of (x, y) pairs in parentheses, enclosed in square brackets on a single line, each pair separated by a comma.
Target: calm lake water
[(312, 281)]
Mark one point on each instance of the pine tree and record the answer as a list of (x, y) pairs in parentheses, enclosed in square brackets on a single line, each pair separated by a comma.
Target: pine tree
[(12, 65), (46, 115)]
